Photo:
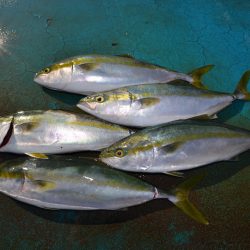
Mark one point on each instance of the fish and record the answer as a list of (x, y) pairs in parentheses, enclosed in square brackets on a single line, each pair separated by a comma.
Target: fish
[(155, 104), (88, 74), (38, 133), (176, 146), (86, 185)]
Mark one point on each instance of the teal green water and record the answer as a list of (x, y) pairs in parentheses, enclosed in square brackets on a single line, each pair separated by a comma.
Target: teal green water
[(181, 35)]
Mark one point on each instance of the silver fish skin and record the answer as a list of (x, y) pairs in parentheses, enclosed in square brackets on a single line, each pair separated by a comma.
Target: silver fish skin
[(56, 132), (154, 104), (84, 185), (88, 74), (176, 146)]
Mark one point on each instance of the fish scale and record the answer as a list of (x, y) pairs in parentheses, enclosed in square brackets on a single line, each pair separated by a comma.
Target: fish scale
[(176, 146), (61, 183), (93, 73), (51, 132), (154, 104)]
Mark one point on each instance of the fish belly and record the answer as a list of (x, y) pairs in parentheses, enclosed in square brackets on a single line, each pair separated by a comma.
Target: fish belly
[(82, 197)]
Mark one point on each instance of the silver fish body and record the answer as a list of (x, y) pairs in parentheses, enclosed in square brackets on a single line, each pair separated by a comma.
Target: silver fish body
[(83, 185), (55, 131), (176, 146), (93, 73), (154, 104), (67, 184)]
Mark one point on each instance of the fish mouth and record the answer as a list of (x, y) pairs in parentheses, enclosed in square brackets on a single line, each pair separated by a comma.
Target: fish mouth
[(104, 155), (38, 78), (106, 161), (86, 105)]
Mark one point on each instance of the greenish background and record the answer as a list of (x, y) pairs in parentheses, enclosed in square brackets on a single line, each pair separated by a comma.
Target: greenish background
[(181, 35)]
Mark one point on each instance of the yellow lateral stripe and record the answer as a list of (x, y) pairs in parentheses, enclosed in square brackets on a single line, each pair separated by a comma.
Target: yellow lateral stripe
[(97, 124), (181, 139)]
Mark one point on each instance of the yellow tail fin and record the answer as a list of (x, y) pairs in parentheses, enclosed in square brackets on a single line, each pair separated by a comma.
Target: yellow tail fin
[(180, 199), (241, 89), (197, 75)]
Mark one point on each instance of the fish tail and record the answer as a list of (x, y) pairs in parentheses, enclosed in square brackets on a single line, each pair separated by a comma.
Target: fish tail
[(180, 198), (7, 132), (241, 89), (197, 75)]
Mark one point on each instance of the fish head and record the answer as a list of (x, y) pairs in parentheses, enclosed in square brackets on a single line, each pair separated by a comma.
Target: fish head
[(11, 176), (134, 153), (55, 76), (107, 105)]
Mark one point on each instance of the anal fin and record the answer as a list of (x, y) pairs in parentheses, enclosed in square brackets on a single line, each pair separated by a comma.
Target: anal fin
[(206, 117), (175, 174)]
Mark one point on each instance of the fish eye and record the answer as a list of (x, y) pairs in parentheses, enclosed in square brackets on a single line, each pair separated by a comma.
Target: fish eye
[(99, 99), (119, 153), (46, 71)]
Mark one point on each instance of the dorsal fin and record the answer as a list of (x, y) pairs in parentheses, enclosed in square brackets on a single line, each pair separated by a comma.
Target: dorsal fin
[(126, 55)]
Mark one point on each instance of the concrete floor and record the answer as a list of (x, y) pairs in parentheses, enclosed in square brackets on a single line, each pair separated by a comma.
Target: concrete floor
[(181, 35)]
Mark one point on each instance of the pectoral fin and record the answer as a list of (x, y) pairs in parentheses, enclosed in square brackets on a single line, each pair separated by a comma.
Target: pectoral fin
[(87, 66), (146, 102), (37, 155), (27, 126), (43, 186), (170, 148)]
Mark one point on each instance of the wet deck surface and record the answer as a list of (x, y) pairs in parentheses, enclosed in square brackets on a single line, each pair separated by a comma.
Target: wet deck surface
[(181, 35)]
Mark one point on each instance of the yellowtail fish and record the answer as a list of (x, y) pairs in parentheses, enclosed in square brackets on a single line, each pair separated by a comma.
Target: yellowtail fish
[(85, 185), (155, 104), (176, 146), (93, 73), (37, 133)]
